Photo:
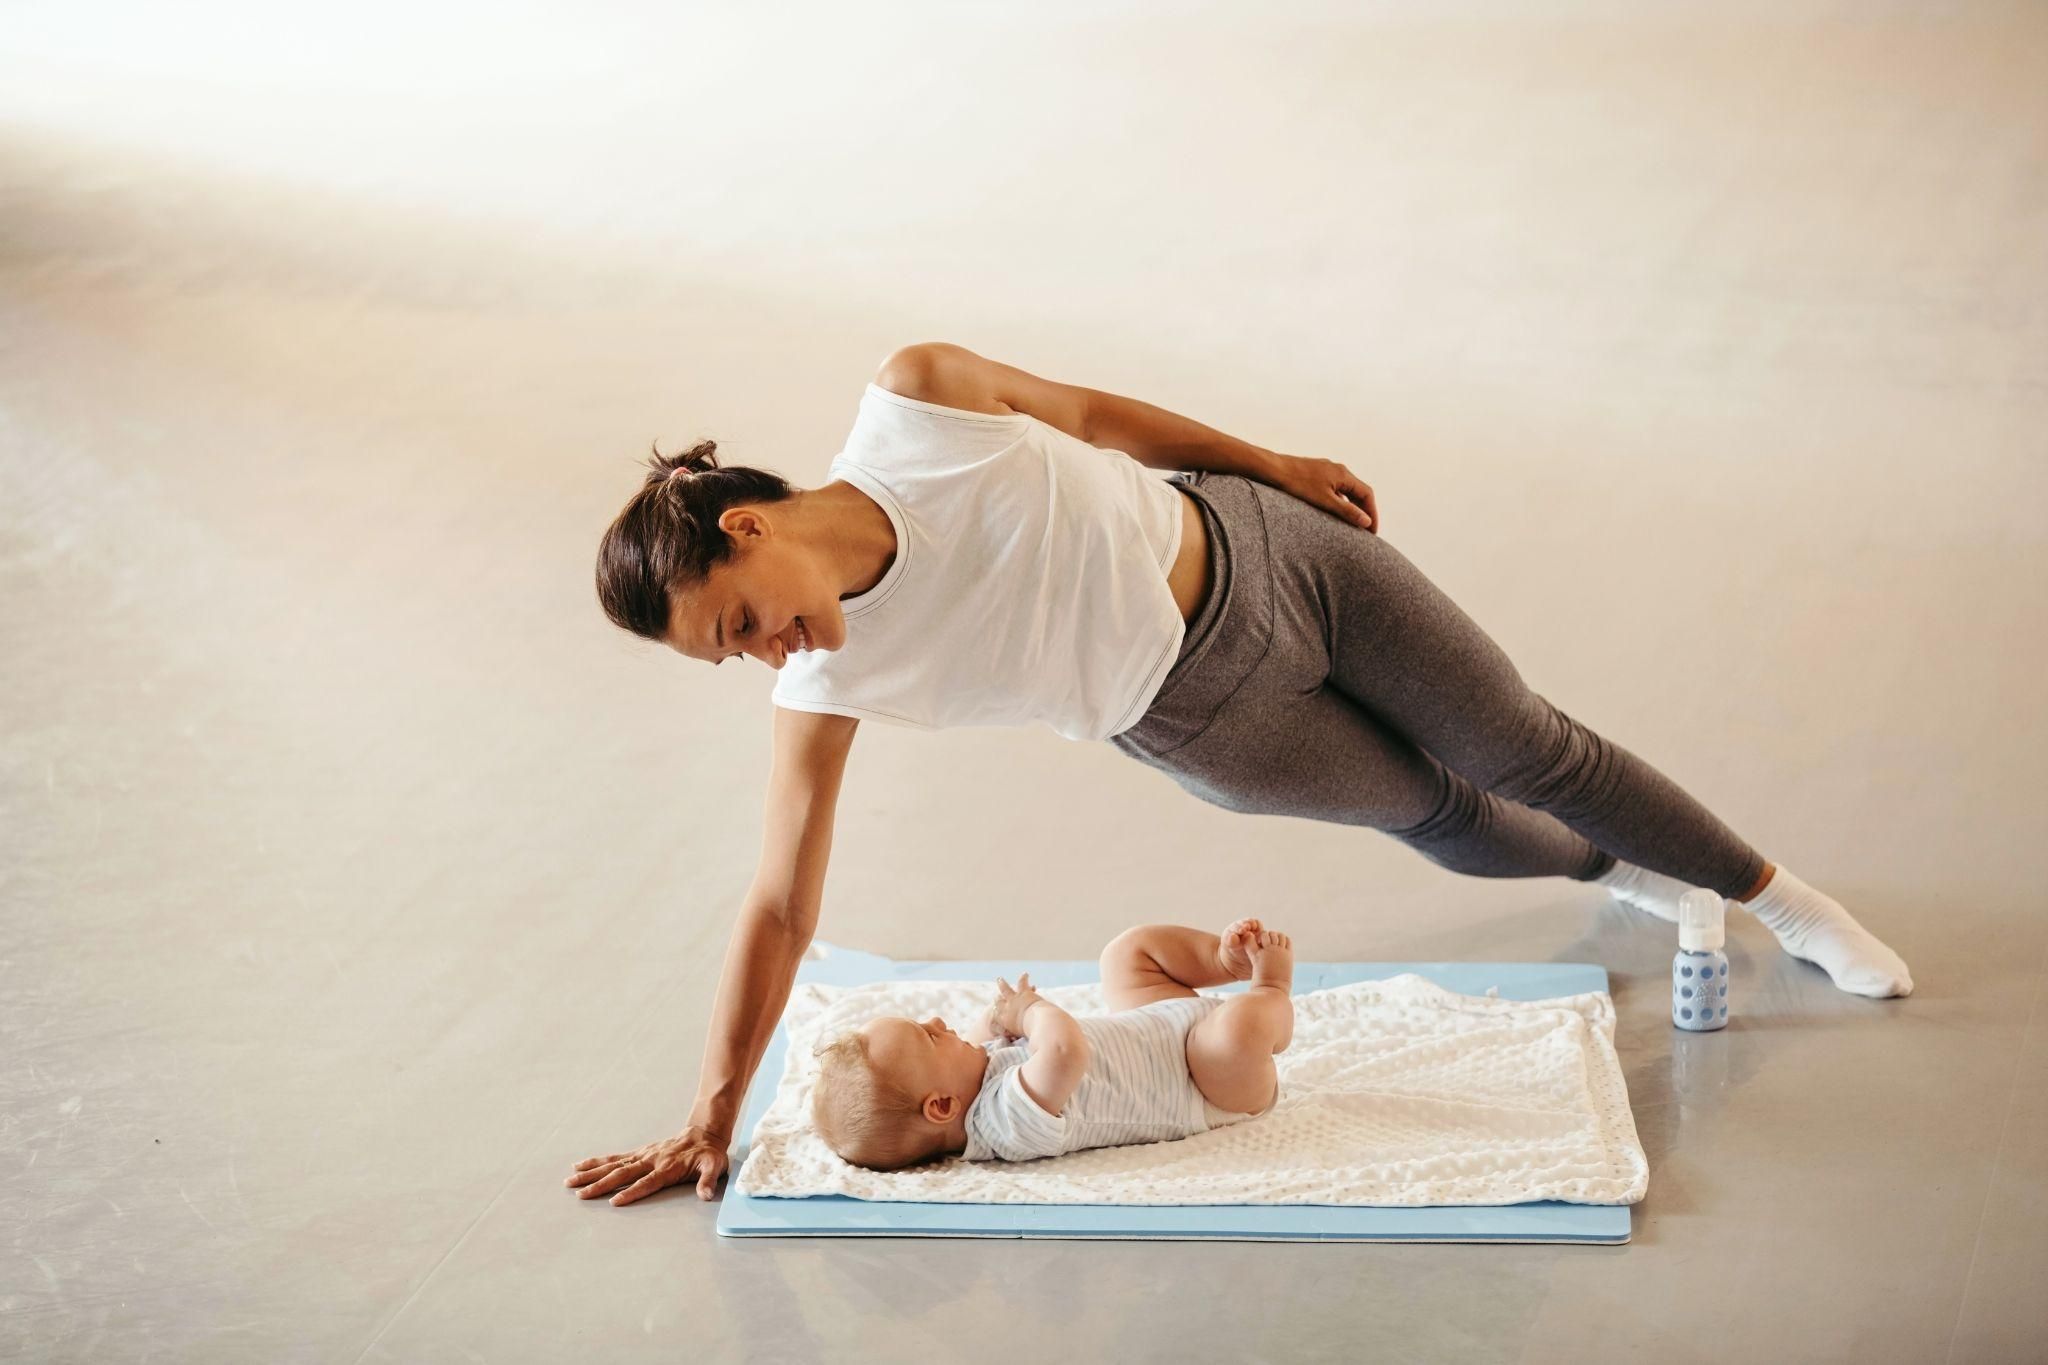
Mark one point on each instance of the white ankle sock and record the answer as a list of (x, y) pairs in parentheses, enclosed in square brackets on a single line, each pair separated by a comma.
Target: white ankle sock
[(1644, 889), (1813, 927)]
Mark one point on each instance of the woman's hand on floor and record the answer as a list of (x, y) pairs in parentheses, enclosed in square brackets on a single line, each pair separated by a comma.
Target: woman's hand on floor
[(1330, 486), (695, 1153)]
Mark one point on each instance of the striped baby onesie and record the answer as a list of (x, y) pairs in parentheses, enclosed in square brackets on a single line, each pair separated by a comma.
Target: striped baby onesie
[(1137, 1089)]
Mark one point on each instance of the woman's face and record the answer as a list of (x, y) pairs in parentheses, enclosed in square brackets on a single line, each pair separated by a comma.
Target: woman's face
[(752, 603)]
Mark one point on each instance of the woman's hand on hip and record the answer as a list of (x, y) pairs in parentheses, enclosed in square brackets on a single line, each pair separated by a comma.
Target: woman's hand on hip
[(1330, 486), (696, 1153)]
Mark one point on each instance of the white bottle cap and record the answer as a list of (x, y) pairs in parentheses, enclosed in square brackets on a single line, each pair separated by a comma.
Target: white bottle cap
[(1699, 921)]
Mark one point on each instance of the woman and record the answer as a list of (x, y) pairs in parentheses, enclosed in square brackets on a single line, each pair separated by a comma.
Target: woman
[(977, 560)]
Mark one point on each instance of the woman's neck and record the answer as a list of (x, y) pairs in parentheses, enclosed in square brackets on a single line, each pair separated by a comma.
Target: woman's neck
[(858, 534)]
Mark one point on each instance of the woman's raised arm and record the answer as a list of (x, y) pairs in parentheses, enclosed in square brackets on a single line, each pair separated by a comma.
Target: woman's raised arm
[(768, 940)]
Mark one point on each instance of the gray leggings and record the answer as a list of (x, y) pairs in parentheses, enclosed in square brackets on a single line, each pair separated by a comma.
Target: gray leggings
[(1325, 677)]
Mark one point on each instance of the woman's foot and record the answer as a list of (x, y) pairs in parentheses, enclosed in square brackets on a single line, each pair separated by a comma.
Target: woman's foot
[(1813, 927)]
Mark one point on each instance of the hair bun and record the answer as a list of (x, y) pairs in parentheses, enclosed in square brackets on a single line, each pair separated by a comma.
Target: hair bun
[(698, 459)]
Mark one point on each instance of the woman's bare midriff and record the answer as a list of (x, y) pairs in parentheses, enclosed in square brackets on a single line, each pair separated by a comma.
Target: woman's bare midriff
[(1189, 578)]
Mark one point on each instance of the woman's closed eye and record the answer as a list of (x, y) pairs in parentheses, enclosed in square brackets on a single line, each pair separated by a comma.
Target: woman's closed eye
[(746, 628)]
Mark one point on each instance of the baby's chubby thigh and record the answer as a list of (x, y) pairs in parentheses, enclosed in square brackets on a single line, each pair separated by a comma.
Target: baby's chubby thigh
[(1230, 1051)]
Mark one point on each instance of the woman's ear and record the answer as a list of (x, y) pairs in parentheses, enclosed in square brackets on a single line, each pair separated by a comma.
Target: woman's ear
[(941, 1108)]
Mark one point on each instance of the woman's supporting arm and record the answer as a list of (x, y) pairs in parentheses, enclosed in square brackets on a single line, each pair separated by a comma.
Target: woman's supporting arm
[(781, 909), (768, 940), (760, 967)]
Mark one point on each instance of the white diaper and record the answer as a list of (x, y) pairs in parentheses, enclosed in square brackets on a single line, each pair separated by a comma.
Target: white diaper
[(1223, 1118)]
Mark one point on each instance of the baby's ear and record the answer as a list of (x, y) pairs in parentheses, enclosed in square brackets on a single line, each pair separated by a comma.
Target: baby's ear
[(940, 1108)]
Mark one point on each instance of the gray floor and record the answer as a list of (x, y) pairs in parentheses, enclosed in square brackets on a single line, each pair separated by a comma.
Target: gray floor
[(359, 878)]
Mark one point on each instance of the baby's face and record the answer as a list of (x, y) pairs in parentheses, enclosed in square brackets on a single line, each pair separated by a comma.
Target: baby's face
[(925, 1057)]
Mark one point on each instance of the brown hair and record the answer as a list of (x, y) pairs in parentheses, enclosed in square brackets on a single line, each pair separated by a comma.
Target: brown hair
[(865, 1116), (668, 536)]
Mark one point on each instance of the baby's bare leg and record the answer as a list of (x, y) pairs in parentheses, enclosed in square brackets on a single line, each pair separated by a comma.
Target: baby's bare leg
[(1160, 962), (1230, 1053)]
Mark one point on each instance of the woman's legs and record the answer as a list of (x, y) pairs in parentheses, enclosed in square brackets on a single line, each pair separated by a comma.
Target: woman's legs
[(1407, 654), (1330, 679), (1249, 719), (1763, 879), (1318, 755)]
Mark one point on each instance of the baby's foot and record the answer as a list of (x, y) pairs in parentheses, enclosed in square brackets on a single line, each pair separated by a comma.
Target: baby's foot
[(1234, 949), (1272, 959)]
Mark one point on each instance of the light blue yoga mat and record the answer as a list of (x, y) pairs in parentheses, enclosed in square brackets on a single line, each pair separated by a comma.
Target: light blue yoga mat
[(743, 1215)]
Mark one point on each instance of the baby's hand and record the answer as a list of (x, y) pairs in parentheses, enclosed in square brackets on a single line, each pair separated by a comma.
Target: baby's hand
[(1006, 1016)]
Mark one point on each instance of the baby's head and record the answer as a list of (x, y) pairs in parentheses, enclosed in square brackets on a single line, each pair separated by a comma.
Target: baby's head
[(895, 1091)]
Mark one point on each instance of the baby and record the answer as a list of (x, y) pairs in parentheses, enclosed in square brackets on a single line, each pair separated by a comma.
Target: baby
[(1168, 1064)]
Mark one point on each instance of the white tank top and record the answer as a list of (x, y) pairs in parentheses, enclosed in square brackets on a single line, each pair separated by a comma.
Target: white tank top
[(1029, 584)]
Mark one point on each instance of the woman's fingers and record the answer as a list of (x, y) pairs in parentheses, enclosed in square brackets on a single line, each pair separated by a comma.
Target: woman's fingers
[(635, 1175), (1349, 496), (1330, 485), (657, 1179), (611, 1180), (1354, 498), (706, 1167), (1361, 492), (596, 1168)]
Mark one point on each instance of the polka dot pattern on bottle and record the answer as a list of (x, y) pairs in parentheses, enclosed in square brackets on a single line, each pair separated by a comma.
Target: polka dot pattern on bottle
[(1699, 983)]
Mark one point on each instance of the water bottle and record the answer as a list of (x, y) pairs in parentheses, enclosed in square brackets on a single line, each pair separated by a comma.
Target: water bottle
[(1699, 969)]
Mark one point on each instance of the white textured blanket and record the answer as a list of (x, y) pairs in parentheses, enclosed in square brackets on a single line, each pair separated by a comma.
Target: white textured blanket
[(1394, 1092)]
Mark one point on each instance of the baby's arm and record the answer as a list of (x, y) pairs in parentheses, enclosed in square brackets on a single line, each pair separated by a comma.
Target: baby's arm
[(1059, 1055)]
